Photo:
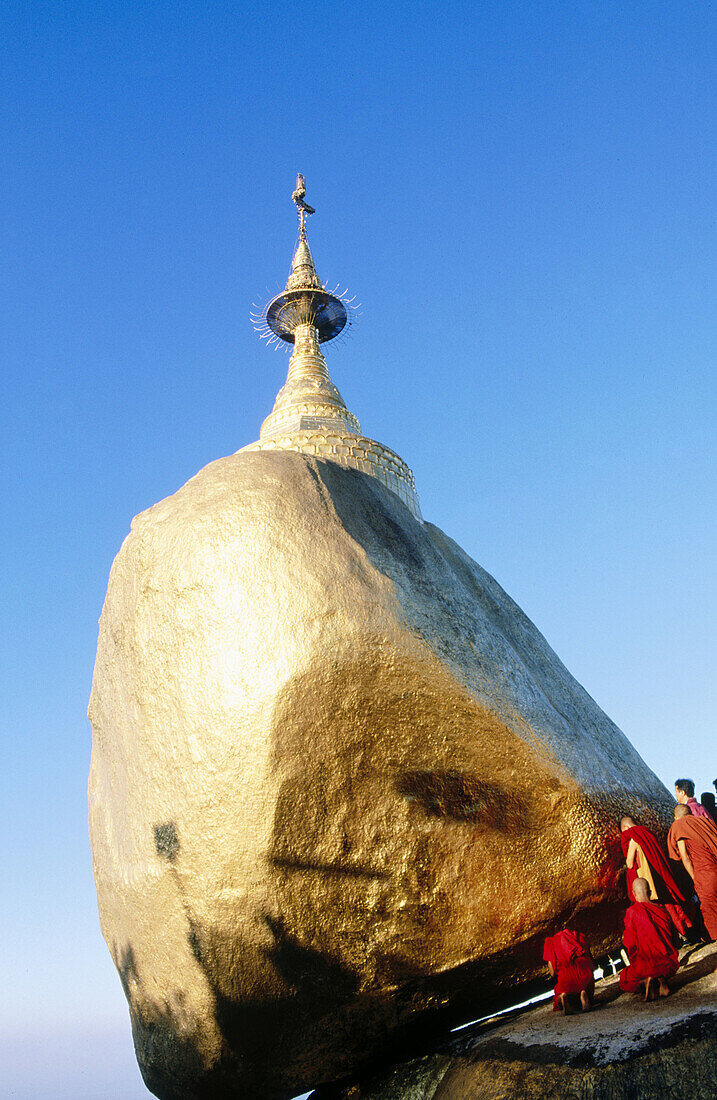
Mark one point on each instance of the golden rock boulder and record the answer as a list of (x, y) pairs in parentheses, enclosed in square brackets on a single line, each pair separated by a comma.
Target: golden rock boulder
[(339, 780)]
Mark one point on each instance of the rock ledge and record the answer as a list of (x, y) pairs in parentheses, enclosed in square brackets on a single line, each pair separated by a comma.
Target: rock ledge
[(624, 1050)]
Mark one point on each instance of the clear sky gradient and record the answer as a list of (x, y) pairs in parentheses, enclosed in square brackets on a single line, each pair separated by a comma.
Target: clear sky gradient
[(522, 195)]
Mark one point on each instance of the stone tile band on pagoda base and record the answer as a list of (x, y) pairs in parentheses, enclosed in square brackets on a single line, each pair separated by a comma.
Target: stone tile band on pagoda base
[(354, 451), (309, 417), (622, 1050)]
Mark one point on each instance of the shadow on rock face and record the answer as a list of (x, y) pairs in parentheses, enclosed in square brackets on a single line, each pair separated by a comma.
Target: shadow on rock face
[(413, 829), (255, 1031), (158, 1035), (419, 843), (419, 849)]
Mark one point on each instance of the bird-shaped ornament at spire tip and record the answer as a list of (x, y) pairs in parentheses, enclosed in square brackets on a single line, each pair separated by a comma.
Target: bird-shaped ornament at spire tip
[(302, 207)]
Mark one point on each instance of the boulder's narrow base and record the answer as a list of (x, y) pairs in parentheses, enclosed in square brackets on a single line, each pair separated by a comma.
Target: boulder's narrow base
[(623, 1050)]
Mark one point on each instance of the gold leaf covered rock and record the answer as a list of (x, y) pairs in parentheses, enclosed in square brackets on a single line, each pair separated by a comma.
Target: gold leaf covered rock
[(339, 780)]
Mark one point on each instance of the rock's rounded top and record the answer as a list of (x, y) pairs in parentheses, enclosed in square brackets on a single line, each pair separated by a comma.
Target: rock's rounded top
[(472, 610), (335, 441)]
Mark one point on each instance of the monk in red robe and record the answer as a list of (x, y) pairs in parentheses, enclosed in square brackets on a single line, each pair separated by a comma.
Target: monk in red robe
[(694, 841), (645, 859), (649, 939), (568, 957)]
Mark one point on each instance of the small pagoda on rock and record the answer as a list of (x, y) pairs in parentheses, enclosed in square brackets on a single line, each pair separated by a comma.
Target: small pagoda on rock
[(309, 413)]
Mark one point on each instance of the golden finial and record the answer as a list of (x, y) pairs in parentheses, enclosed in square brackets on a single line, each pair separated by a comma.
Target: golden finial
[(304, 300), (302, 207)]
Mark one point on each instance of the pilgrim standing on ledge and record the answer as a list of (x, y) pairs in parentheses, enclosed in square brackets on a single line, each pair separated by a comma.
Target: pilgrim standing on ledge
[(685, 794), (645, 859), (694, 841)]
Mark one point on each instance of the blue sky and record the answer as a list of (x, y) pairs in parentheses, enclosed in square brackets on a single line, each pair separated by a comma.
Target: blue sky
[(522, 197)]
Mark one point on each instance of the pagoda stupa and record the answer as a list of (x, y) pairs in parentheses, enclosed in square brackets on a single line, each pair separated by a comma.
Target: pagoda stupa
[(309, 414)]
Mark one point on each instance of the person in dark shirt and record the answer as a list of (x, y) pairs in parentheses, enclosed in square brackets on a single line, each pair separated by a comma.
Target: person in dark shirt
[(708, 801), (685, 794)]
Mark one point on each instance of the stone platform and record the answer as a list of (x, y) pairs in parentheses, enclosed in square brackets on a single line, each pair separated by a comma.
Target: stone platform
[(623, 1050)]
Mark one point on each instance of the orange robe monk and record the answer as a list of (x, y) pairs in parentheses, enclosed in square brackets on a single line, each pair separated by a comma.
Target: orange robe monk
[(694, 841), (650, 945), (568, 956), (646, 860)]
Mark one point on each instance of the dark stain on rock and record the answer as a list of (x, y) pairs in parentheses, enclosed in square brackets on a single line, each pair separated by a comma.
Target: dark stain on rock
[(166, 840), (330, 869), (463, 797)]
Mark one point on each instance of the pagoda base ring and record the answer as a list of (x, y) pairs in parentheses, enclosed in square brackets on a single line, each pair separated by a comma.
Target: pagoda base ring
[(355, 452)]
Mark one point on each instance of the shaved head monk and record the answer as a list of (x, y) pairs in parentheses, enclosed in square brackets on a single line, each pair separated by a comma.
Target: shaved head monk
[(568, 957), (649, 939), (645, 859), (694, 841), (685, 795)]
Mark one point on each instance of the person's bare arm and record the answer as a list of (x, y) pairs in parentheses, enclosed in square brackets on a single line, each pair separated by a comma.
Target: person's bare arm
[(551, 970), (631, 854), (684, 856)]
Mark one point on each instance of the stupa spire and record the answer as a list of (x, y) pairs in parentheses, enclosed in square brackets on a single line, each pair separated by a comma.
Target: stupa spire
[(309, 413), (303, 268), (305, 314)]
